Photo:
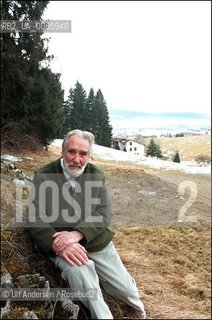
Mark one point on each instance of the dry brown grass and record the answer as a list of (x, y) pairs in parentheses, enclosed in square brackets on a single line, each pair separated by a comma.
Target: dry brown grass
[(189, 147), (171, 267), (14, 137)]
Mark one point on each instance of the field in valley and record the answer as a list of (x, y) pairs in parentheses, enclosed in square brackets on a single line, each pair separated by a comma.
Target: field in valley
[(170, 260)]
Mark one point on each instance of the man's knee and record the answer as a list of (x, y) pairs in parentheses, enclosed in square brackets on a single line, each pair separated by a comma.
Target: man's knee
[(64, 265), (78, 269), (75, 270)]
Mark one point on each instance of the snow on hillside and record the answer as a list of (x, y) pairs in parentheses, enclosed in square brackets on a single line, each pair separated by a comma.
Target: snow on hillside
[(117, 155)]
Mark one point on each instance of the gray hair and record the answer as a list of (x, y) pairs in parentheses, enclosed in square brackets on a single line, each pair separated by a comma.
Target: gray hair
[(82, 134)]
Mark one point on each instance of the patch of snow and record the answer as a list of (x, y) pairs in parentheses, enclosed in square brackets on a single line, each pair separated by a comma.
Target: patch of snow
[(8, 157), (118, 155), (185, 166), (57, 143), (18, 182)]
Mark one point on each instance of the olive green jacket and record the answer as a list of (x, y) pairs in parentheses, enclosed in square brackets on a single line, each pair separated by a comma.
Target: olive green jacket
[(54, 206)]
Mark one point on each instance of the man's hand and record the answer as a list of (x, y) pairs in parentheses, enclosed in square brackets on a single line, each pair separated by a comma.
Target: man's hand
[(74, 253), (64, 238)]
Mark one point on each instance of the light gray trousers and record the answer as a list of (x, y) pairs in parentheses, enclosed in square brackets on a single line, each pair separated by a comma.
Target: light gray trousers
[(104, 266)]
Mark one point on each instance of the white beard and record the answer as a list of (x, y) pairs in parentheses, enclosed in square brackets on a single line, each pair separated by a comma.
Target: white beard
[(74, 173)]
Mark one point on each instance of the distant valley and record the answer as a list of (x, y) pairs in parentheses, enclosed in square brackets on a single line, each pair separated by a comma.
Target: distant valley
[(145, 123)]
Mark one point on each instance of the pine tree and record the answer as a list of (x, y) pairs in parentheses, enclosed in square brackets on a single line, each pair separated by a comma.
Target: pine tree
[(47, 117), (22, 54), (159, 152), (176, 157), (89, 114), (153, 149), (102, 130), (67, 116), (31, 93), (75, 108)]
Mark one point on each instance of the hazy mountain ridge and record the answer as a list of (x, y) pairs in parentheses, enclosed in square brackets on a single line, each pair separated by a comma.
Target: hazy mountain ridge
[(147, 123), (132, 114)]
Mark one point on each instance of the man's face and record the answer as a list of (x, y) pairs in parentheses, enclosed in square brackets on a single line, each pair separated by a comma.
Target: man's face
[(76, 155)]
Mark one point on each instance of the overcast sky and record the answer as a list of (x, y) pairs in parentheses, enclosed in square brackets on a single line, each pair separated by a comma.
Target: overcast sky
[(149, 56)]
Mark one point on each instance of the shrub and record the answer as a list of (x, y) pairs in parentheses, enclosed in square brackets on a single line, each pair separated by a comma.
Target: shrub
[(203, 159), (176, 157)]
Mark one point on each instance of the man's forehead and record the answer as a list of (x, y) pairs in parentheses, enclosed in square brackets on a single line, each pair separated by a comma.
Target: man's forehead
[(77, 142)]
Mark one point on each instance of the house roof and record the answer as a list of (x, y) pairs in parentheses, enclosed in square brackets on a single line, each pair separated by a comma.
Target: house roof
[(120, 139)]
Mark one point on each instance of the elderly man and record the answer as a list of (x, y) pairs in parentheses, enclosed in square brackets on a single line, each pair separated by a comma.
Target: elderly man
[(69, 217)]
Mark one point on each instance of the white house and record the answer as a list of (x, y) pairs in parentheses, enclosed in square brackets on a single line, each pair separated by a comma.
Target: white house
[(129, 146)]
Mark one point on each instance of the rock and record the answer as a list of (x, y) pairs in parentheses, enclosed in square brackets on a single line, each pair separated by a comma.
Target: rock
[(42, 282), (28, 280), (6, 280), (18, 182), (5, 309), (65, 309), (48, 296), (29, 315), (11, 170), (52, 308)]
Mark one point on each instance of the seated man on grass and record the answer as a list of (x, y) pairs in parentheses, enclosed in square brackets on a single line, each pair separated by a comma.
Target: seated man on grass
[(69, 215)]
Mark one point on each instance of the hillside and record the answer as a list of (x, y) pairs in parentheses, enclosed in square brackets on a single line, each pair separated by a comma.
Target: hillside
[(113, 155), (188, 147), (169, 260)]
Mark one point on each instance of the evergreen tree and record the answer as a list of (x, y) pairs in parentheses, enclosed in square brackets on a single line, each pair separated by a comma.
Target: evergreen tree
[(159, 152), (47, 117), (102, 129), (89, 114), (67, 116), (26, 93), (21, 55), (153, 149), (75, 108), (176, 157)]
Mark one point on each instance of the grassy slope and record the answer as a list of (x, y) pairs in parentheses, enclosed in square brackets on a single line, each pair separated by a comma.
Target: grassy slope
[(188, 147), (171, 265)]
